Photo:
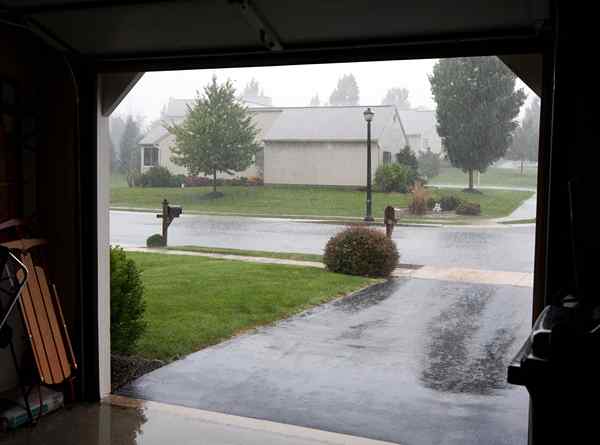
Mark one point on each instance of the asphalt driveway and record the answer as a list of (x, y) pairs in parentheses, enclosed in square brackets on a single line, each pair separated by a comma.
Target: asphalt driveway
[(410, 361)]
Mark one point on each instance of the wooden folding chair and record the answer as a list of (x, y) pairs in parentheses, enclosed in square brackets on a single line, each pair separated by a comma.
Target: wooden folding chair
[(43, 317)]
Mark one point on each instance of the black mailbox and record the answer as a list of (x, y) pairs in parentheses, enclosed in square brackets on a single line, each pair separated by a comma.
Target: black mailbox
[(175, 211)]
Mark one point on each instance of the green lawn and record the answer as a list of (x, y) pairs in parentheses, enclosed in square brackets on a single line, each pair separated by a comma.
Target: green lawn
[(255, 253), (299, 201), (117, 180), (194, 302), (493, 176)]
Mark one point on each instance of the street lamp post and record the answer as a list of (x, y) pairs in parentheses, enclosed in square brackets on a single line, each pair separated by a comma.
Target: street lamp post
[(369, 117)]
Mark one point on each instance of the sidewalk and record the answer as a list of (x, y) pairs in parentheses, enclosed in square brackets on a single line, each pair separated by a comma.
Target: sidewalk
[(454, 274)]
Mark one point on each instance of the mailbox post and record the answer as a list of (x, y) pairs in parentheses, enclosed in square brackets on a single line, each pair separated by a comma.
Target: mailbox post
[(168, 214), (389, 218)]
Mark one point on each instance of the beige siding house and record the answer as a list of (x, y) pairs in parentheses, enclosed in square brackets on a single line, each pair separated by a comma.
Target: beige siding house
[(301, 145)]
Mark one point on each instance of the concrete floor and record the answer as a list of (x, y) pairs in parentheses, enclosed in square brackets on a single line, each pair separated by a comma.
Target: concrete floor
[(500, 248), (121, 421), (411, 361)]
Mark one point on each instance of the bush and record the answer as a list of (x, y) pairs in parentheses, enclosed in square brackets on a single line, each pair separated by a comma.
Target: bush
[(127, 305), (155, 240), (431, 203), (361, 251), (393, 178), (157, 177), (177, 180), (420, 197), (407, 157), (449, 202), (468, 208), (429, 164)]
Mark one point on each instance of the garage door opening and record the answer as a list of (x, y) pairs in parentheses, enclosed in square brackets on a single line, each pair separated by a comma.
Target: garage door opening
[(268, 163)]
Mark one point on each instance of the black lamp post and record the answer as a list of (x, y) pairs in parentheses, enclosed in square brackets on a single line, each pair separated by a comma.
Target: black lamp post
[(369, 117)]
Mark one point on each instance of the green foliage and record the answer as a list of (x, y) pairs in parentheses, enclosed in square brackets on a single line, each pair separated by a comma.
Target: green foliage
[(346, 92), (155, 240), (129, 150), (157, 177), (127, 305), (526, 139), (420, 197), (449, 202), (217, 136), (361, 251), (477, 105), (408, 158), (394, 178), (429, 164), (468, 208), (398, 97)]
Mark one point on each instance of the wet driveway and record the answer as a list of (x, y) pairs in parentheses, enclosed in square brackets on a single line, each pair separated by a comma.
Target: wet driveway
[(408, 361), (505, 248)]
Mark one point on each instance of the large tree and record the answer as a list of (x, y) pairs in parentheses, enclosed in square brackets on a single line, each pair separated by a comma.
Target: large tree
[(129, 150), (526, 139), (217, 136), (477, 106), (346, 92), (398, 97)]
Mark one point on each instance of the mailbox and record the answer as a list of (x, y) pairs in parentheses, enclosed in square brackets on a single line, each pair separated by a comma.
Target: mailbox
[(175, 211)]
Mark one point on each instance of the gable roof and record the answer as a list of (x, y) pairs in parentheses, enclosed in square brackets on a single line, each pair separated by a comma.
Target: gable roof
[(329, 123), (322, 123), (422, 122)]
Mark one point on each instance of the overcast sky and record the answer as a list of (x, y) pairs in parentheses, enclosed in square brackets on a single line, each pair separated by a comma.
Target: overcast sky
[(292, 85)]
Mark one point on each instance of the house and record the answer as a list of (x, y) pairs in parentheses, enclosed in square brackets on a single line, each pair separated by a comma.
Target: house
[(421, 129), (301, 145)]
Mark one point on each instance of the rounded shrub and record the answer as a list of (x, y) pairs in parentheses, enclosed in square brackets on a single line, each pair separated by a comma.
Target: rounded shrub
[(157, 177), (361, 251), (468, 208), (394, 178), (155, 240), (449, 202), (127, 305)]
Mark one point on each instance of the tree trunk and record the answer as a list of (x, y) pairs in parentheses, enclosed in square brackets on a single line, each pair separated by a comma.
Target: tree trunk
[(215, 181), (522, 167), (470, 179)]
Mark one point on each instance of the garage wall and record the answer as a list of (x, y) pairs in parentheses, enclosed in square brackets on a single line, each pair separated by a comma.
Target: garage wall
[(318, 163), (50, 177)]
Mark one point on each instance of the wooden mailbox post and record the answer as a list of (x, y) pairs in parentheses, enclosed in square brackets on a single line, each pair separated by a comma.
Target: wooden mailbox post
[(168, 214)]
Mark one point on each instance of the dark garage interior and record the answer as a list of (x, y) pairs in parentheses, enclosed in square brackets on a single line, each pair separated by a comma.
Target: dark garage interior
[(66, 64)]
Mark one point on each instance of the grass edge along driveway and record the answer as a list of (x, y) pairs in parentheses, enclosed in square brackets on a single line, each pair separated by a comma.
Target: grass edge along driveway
[(194, 302), (301, 201)]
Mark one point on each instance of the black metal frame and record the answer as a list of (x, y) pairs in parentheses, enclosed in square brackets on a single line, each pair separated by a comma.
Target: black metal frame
[(8, 256)]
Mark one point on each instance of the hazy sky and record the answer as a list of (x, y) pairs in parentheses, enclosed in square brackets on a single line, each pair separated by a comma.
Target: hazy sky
[(291, 85)]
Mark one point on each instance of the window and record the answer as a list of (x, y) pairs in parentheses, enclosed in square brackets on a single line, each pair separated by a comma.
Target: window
[(150, 156), (387, 157)]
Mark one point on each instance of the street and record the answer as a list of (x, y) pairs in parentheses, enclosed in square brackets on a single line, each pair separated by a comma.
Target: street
[(498, 248)]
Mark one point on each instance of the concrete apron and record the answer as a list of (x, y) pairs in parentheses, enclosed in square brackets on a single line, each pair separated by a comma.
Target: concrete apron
[(452, 274), (236, 429)]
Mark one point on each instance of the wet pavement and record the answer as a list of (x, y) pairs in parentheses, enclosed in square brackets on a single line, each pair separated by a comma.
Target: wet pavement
[(409, 361), (504, 248)]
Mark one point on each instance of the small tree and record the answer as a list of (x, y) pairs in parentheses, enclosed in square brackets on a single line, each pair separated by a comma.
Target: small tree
[(407, 157), (526, 139), (315, 101), (217, 136), (129, 150), (476, 109), (398, 97), (429, 164), (346, 92)]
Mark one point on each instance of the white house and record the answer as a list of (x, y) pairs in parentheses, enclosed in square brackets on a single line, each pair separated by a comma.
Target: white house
[(421, 129), (301, 145)]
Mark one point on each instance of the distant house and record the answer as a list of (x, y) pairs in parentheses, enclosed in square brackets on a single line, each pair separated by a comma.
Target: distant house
[(301, 145), (421, 129)]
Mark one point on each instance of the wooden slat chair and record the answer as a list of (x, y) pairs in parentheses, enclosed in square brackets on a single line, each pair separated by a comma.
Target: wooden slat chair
[(43, 317)]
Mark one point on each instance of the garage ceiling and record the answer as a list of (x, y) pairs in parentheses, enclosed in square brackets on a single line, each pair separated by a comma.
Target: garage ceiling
[(138, 28)]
